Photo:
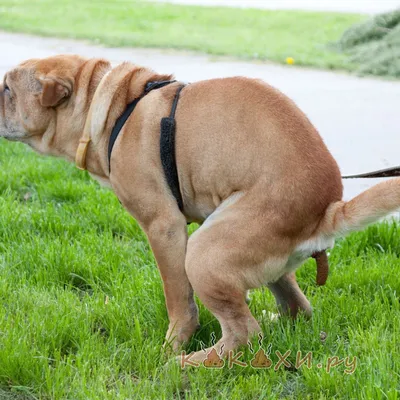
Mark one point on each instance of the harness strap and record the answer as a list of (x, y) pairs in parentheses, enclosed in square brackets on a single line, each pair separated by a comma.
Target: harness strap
[(167, 151), (167, 138), (126, 114)]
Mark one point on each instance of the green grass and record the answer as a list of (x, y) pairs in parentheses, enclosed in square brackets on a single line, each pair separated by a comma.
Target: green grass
[(66, 245), (250, 34)]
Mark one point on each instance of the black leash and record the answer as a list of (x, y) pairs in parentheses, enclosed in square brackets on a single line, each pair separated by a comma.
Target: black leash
[(381, 173), (167, 138)]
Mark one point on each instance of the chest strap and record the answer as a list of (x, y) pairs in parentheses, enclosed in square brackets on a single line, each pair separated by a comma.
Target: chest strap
[(167, 151), (127, 113), (167, 139)]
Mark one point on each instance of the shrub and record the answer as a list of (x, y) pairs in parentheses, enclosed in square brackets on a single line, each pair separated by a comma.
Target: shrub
[(375, 44)]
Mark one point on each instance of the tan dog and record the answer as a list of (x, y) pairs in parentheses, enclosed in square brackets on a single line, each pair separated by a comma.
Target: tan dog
[(251, 166)]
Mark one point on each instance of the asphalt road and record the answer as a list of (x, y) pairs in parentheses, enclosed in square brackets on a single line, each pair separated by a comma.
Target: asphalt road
[(358, 118)]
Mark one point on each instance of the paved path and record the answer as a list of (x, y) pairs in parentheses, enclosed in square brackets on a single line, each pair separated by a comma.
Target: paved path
[(356, 6), (359, 119)]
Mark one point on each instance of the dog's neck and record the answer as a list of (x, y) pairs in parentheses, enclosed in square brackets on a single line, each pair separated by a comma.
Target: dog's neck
[(117, 88), (114, 89)]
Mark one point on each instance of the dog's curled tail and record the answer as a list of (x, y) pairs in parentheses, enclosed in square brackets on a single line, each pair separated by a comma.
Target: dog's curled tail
[(377, 202)]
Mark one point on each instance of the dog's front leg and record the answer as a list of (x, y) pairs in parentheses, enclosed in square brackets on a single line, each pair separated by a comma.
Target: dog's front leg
[(168, 239)]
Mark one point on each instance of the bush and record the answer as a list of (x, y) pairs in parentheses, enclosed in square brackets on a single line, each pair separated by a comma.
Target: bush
[(375, 45)]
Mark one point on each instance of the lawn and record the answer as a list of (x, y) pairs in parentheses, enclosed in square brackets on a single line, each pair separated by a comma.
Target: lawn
[(249, 34), (82, 312)]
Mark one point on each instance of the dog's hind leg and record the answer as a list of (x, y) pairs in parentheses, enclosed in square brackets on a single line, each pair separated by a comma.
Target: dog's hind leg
[(224, 259), (224, 298), (289, 297)]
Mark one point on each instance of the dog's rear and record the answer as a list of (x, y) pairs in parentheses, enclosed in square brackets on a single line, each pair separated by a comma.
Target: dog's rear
[(377, 202)]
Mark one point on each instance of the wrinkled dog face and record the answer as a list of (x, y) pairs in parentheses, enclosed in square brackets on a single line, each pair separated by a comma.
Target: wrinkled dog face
[(33, 95), (21, 112)]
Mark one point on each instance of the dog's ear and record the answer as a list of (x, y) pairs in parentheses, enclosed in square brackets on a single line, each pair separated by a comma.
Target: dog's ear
[(54, 91)]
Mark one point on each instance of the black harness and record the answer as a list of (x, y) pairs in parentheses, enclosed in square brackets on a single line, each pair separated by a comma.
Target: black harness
[(167, 138)]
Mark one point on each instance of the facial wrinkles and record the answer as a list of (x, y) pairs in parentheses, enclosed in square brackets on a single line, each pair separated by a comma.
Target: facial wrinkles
[(3, 110), (9, 107), (7, 128)]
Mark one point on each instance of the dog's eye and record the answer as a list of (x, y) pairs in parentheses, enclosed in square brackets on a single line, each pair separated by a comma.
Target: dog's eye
[(6, 88)]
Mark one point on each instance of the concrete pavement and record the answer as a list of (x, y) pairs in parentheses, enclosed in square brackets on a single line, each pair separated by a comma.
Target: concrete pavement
[(358, 118), (349, 6)]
